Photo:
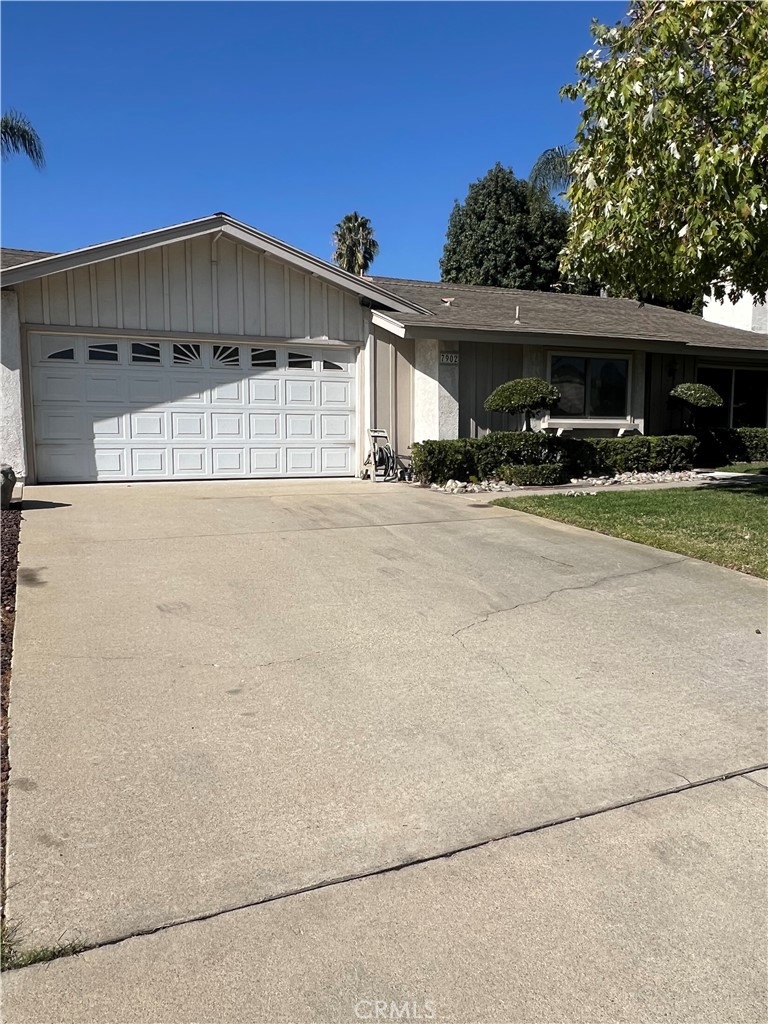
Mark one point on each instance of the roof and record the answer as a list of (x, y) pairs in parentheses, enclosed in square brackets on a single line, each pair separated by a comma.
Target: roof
[(478, 308), (13, 257), (43, 264)]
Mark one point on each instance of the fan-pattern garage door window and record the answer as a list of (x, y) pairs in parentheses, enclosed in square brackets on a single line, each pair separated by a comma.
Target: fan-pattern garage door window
[(226, 355), (186, 355), (103, 353), (299, 361), (328, 365), (145, 352), (266, 358)]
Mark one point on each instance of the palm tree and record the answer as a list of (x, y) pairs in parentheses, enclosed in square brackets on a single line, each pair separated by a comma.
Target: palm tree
[(18, 136), (553, 170), (355, 247)]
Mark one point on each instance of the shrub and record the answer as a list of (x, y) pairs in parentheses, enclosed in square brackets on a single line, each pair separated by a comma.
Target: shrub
[(726, 444), (438, 461), (434, 462), (531, 476), (528, 395), (694, 398)]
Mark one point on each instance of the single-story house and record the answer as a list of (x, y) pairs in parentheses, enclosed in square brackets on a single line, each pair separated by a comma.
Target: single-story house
[(209, 349)]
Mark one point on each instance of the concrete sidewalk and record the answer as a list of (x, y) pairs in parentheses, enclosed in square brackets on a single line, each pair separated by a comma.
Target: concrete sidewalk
[(647, 913)]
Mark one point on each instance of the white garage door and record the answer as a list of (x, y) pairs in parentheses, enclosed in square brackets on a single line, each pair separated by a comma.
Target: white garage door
[(107, 409)]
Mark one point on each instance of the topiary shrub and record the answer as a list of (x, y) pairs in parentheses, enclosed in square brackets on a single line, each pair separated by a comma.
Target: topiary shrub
[(672, 451), (693, 398), (534, 476), (528, 395)]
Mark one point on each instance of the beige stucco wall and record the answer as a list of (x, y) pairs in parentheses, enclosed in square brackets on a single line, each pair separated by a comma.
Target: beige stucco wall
[(11, 400)]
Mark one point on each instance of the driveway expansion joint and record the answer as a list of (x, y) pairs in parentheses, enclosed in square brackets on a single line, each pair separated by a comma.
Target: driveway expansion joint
[(413, 862)]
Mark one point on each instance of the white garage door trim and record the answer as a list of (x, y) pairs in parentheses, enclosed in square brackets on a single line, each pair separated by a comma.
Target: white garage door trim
[(140, 409)]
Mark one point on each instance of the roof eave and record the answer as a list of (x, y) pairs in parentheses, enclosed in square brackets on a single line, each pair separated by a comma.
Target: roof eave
[(218, 223)]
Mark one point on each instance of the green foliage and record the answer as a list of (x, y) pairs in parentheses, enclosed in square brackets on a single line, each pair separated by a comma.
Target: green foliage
[(506, 234), (533, 476), (699, 396), (727, 445), (435, 462), (670, 176), (18, 136), (528, 395), (552, 170), (355, 248), (494, 454)]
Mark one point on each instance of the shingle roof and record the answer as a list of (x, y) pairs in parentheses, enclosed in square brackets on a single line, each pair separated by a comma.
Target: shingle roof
[(14, 257), (480, 308)]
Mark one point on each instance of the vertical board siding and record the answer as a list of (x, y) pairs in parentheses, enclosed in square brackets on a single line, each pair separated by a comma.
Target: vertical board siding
[(482, 367), (202, 291), (275, 298), (196, 286), (226, 275)]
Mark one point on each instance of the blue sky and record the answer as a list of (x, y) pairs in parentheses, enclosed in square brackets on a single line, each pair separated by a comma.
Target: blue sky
[(285, 115)]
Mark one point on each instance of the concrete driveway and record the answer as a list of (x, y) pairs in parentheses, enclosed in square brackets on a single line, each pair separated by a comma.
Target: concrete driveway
[(226, 693)]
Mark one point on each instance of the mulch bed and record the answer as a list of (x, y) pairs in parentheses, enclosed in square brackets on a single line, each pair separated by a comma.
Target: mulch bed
[(11, 524)]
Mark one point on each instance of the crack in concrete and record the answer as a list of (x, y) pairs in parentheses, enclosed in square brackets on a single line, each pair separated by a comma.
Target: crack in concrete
[(562, 590), (413, 862), (750, 779)]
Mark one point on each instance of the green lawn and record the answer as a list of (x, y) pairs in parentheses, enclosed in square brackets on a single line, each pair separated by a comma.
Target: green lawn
[(744, 467), (726, 525)]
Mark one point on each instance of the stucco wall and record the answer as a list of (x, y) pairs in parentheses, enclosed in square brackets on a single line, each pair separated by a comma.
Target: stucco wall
[(11, 415), (746, 314)]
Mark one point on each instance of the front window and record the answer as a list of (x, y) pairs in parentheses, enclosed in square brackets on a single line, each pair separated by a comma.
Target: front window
[(744, 394), (592, 387)]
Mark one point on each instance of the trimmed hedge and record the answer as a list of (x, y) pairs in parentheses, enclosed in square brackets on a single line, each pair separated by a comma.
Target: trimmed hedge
[(438, 461), (742, 444), (531, 476)]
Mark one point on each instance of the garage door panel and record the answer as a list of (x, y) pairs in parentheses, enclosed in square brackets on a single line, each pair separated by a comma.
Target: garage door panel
[(264, 425), (227, 425), (147, 390), (228, 461), (188, 426), (149, 425), (300, 425), (266, 461), (150, 462), (152, 419), (58, 385), (111, 462), (190, 462), (299, 392), (336, 460), (105, 388)]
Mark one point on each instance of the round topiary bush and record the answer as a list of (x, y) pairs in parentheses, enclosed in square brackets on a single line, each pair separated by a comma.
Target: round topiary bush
[(528, 395), (699, 396), (546, 475)]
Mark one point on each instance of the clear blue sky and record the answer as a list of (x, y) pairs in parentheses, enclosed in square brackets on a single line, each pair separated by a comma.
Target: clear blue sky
[(285, 115)]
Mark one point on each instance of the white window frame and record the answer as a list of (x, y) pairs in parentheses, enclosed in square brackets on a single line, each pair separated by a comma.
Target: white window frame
[(606, 422)]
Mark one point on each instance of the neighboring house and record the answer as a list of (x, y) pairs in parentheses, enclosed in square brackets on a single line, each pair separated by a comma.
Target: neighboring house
[(210, 349)]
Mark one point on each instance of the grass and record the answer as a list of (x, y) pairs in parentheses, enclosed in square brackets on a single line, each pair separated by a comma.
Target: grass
[(727, 524), (744, 467), (11, 957)]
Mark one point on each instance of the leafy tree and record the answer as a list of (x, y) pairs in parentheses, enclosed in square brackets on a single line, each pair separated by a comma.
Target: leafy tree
[(18, 136), (528, 395), (505, 234), (670, 178), (355, 247), (552, 171), (694, 398)]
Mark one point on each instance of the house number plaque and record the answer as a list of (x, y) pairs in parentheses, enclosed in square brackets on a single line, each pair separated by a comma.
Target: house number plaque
[(449, 358)]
